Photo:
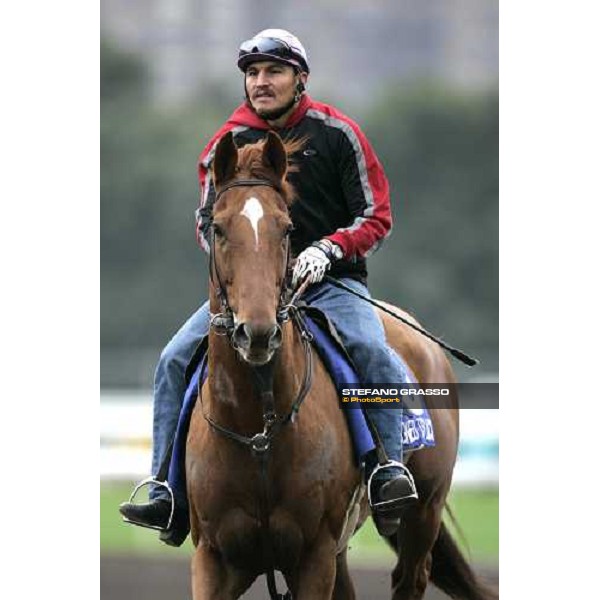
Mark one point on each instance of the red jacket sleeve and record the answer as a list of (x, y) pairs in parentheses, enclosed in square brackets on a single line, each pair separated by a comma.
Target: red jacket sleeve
[(366, 190)]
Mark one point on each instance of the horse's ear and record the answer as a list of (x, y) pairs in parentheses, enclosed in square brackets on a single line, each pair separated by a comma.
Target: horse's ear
[(274, 154), (225, 161)]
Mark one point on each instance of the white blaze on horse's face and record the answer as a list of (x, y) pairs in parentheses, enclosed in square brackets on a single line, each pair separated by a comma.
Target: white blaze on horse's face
[(253, 211)]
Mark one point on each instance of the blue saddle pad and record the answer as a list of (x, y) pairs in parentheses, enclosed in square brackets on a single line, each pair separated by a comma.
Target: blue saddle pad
[(417, 429)]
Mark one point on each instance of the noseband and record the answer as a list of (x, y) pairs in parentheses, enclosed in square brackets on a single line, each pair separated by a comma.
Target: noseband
[(223, 323)]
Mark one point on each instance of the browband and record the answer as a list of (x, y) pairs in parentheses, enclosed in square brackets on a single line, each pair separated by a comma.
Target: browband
[(244, 183)]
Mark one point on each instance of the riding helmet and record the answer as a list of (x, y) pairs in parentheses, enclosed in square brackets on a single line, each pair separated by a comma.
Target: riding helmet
[(274, 44)]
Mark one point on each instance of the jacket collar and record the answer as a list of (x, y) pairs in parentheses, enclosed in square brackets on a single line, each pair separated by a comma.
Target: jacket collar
[(244, 115)]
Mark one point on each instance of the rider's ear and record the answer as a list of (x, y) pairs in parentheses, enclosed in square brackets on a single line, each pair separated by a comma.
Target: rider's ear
[(274, 154), (225, 161)]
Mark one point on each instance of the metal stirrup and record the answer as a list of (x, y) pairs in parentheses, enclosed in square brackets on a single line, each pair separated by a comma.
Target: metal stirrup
[(405, 471), (138, 487)]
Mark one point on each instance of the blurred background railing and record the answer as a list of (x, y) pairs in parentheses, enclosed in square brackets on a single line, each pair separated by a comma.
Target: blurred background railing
[(126, 427)]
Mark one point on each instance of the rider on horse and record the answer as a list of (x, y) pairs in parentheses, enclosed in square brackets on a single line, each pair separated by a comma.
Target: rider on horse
[(341, 216)]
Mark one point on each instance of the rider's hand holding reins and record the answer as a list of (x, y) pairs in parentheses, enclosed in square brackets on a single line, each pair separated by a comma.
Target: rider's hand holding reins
[(313, 262)]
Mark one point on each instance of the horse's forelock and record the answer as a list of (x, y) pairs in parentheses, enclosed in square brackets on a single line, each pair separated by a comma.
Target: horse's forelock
[(250, 165)]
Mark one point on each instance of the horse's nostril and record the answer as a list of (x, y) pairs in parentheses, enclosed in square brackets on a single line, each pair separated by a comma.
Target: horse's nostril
[(275, 337), (241, 336), (257, 338)]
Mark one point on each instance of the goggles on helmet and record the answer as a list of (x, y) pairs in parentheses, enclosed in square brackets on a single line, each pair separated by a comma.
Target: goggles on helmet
[(265, 48)]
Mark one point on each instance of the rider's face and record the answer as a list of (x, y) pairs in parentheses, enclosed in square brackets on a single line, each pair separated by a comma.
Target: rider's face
[(270, 86)]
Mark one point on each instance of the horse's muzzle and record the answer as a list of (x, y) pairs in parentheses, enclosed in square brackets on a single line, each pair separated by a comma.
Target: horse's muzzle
[(257, 344)]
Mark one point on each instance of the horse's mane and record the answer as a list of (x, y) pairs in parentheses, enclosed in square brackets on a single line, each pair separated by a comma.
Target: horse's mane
[(250, 165)]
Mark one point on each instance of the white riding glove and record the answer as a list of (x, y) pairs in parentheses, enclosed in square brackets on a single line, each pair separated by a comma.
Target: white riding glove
[(313, 262)]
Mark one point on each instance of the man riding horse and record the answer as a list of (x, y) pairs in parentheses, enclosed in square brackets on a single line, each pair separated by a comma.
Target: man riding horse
[(341, 216)]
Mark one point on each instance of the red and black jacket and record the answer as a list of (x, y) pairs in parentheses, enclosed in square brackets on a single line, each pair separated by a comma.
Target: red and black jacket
[(343, 193)]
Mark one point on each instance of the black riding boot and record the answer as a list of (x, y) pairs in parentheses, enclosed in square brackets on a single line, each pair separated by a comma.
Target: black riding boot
[(155, 514), (391, 491), (159, 514)]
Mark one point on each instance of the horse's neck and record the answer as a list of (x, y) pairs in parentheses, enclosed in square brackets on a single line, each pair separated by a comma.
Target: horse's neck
[(233, 398)]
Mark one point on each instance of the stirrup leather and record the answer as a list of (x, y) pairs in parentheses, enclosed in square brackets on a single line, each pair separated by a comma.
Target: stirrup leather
[(144, 483)]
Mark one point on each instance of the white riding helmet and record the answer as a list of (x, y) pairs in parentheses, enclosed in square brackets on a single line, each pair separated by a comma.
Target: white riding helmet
[(274, 44)]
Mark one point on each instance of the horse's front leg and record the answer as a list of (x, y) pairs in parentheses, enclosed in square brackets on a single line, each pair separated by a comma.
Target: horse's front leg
[(212, 580), (314, 578)]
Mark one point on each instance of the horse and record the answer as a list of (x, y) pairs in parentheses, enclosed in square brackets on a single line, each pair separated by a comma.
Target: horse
[(269, 492)]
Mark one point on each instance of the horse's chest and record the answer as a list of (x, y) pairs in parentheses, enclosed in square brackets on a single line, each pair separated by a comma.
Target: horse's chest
[(245, 491), (231, 516), (306, 478), (227, 501)]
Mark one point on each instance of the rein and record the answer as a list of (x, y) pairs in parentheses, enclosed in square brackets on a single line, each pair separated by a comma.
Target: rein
[(260, 443)]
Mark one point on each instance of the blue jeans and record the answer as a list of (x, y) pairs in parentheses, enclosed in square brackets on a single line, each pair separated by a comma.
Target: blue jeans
[(169, 386), (359, 327)]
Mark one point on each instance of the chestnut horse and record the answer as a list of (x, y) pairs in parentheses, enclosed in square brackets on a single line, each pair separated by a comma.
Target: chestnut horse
[(295, 511)]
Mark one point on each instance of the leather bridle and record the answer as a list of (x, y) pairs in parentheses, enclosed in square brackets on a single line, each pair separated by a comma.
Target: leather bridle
[(223, 322)]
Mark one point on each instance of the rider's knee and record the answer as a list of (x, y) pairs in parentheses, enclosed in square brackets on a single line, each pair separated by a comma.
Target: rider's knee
[(169, 360), (373, 355)]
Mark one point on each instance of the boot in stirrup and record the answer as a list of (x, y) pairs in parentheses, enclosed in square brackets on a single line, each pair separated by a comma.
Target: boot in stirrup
[(156, 514), (391, 489)]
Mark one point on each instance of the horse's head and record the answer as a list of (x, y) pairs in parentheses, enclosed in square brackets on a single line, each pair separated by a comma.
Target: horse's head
[(250, 241)]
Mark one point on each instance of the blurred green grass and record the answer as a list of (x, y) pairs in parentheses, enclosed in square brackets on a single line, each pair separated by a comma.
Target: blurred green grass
[(476, 511)]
